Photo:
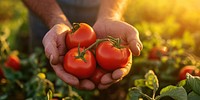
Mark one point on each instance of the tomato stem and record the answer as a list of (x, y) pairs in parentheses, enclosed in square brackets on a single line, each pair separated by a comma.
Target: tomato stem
[(95, 43), (80, 54), (116, 42), (75, 26)]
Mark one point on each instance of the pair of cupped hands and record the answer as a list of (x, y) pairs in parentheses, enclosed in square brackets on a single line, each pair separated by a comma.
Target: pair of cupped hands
[(55, 50)]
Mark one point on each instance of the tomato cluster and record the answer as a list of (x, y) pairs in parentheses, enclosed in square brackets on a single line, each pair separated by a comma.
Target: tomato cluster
[(91, 58)]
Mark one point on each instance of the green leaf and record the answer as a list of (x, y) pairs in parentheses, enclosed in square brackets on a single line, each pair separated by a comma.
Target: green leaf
[(4, 96), (177, 93), (181, 83), (9, 74), (194, 82), (134, 94), (139, 83), (193, 96), (151, 80)]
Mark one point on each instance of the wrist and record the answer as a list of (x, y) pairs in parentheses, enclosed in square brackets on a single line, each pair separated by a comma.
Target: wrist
[(108, 18), (112, 9), (60, 19), (113, 16)]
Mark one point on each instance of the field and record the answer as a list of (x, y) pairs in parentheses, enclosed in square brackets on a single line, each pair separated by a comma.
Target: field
[(171, 27)]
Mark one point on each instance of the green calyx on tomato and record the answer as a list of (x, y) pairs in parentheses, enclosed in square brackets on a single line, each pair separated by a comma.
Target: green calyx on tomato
[(116, 42), (75, 27), (81, 54)]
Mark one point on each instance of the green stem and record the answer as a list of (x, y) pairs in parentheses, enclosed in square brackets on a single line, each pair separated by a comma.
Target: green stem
[(116, 42), (75, 27), (146, 96), (95, 43), (81, 54), (154, 93)]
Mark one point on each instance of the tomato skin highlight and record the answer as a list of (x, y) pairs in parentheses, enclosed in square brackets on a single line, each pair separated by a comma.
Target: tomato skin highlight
[(193, 70), (84, 36), (110, 57), (13, 62), (77, 66), (96, 77)]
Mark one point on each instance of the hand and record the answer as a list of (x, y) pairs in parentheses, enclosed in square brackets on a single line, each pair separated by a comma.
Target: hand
[(129, 36), (55, 49)]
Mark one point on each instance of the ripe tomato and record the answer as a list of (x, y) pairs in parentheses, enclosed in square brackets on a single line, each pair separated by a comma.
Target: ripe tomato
[(110, 57), (156, 53), (193, 70), (96, 77), (13, 62), (81, 33), (77, 66)]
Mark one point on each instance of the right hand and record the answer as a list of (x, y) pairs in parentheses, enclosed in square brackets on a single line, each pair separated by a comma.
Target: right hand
[(55, 50)]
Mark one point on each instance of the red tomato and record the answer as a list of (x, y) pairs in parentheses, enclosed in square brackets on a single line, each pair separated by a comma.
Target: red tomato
[(13, 62), (81, 33), (110, 57), (193, 70), (156, 53), (96, 77), (77, 66)]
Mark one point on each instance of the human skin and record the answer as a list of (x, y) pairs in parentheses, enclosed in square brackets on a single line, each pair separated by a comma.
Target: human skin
[(109, 22)]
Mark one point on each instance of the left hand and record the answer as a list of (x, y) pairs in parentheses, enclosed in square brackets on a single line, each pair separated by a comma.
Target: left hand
[(55, 49), (129, 36)]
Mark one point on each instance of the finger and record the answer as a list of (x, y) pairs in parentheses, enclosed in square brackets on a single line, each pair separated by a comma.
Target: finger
[(103, 86), (61, 59), (86, 85), (106, 79), (121, 72), (134, 41), (52, 52), (54, 42), (50, 47), (66, 77), (61, 45)]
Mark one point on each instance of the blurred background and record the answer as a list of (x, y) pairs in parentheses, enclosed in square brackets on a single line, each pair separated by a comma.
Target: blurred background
[(173, 24)]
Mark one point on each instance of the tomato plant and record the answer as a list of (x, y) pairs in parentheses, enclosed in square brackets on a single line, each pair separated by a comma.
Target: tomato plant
[(82, 34), (111, 56), (193, 70), (96, 77), (79, 64), (13, 62), (156, 52)]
